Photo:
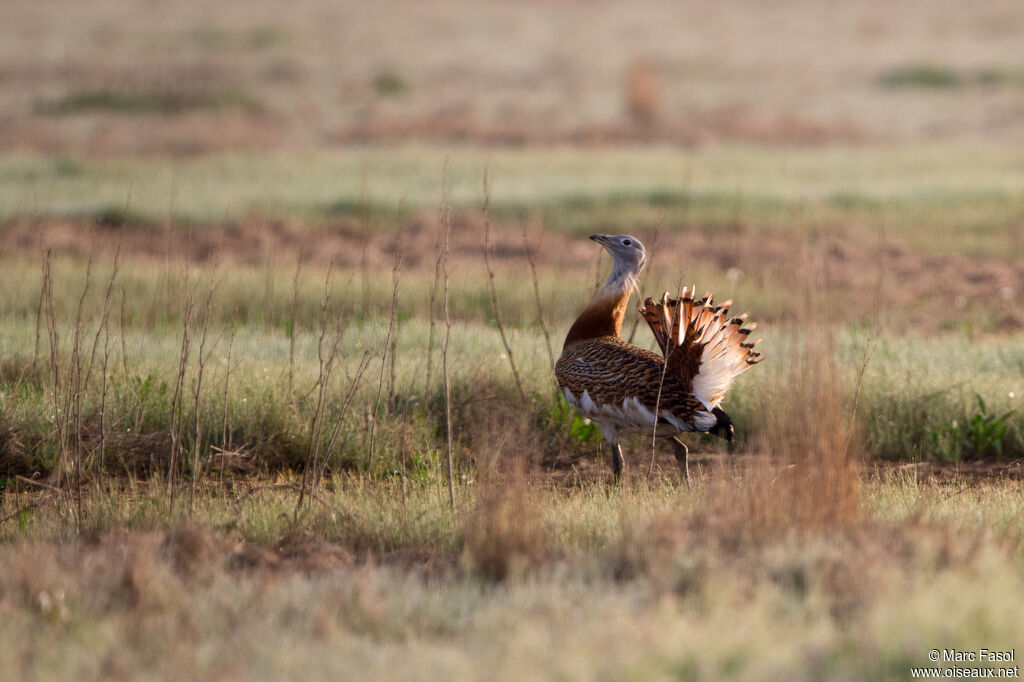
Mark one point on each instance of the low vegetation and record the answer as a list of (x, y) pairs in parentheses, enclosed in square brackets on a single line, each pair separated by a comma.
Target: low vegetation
[(834, 574), (143, 102), (276, 397), (245, 422), (938, 77)]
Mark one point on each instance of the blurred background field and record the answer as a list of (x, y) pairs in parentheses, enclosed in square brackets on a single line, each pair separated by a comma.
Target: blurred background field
[(222, 285), (126, 77)]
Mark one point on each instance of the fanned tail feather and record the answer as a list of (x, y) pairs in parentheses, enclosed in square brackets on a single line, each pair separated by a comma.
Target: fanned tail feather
[(704, 347)]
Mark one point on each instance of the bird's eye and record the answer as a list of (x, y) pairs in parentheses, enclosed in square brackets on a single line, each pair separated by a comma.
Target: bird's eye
[(626, 242)]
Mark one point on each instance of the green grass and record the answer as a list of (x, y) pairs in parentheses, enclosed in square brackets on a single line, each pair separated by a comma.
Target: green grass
[(930, 76), (921, 76), (146, 101), (542, 569), (779, 562), (915, 395), (930, 197), (389, 84), (256, 38)]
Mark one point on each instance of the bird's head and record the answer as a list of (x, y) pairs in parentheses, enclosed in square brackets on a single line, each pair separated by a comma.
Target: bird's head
[(627, 252)]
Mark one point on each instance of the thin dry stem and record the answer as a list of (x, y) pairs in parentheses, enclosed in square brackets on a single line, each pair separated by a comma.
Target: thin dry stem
[(528, 249), (73, 402), (433, 293), (353, 386), (59, 386), (39, 310), (396, 274), (105, 327), (177, 400), (493, 289), (124, 345), (225, 427), (291, 329), (661, 383), (201, 362), (327, 351), (446, 209), (364, 226)]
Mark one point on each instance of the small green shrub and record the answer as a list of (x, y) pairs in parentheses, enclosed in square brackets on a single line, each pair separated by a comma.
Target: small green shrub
[(147, 101), (559, 415), (256, 38), (390, 84), (982, 433), (921, 76)]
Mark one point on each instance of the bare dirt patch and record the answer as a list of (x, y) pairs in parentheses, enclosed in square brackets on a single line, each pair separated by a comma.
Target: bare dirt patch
[(854, 272), (693, 129), (182, 134)]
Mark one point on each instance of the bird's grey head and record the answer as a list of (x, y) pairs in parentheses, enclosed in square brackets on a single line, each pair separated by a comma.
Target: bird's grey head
[(628, 254)]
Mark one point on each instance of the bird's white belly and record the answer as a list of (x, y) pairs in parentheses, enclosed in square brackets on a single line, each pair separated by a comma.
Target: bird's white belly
[(629, 415)]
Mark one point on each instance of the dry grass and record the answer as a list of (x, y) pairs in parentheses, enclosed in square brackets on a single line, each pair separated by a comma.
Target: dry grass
[(528, 582), (504, 531), (318, 541), (180, 81), (810, 475), (851, 576)]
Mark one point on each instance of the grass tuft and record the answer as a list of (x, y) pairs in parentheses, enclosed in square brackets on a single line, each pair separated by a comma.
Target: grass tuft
[(148, 101), (504, 532), (923, 75), (390, 84)]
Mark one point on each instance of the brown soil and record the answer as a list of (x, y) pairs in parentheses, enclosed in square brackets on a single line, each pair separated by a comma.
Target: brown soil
[(853, 273), (713, 464), (695, 129), (970, 473)]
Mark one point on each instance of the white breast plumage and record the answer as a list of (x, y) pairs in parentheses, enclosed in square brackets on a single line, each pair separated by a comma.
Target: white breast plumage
[(631, 415)]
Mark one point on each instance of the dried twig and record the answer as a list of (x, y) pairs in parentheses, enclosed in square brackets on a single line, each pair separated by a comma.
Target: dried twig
[(364, 227), (433, 288), (677, 311), (536, 296), (124, 346), (177, 400), (201, 362), (39, 310), (446, 208), (105, 328), (291, 330), (39, 484), (225, 431), (353, 386), (494, 291), (396, 274), (868, 351), (327, 351)]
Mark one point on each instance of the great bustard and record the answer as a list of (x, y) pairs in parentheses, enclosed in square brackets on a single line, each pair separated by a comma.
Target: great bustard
[(621, 386)]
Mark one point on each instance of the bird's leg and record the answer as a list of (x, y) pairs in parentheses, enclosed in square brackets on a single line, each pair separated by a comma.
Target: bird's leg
[(617, 461), (611, 434), (682, 458)]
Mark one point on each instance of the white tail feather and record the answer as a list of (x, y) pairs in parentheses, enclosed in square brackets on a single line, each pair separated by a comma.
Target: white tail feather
[(726, 349)]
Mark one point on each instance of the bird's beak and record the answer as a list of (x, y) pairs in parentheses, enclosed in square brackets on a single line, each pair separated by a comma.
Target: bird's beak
[(600, 238)]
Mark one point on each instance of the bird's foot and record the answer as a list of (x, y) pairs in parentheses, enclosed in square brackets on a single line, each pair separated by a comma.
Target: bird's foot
[(682, 459)]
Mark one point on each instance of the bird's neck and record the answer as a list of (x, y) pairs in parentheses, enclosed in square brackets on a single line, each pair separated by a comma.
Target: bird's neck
[(604, 314)]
